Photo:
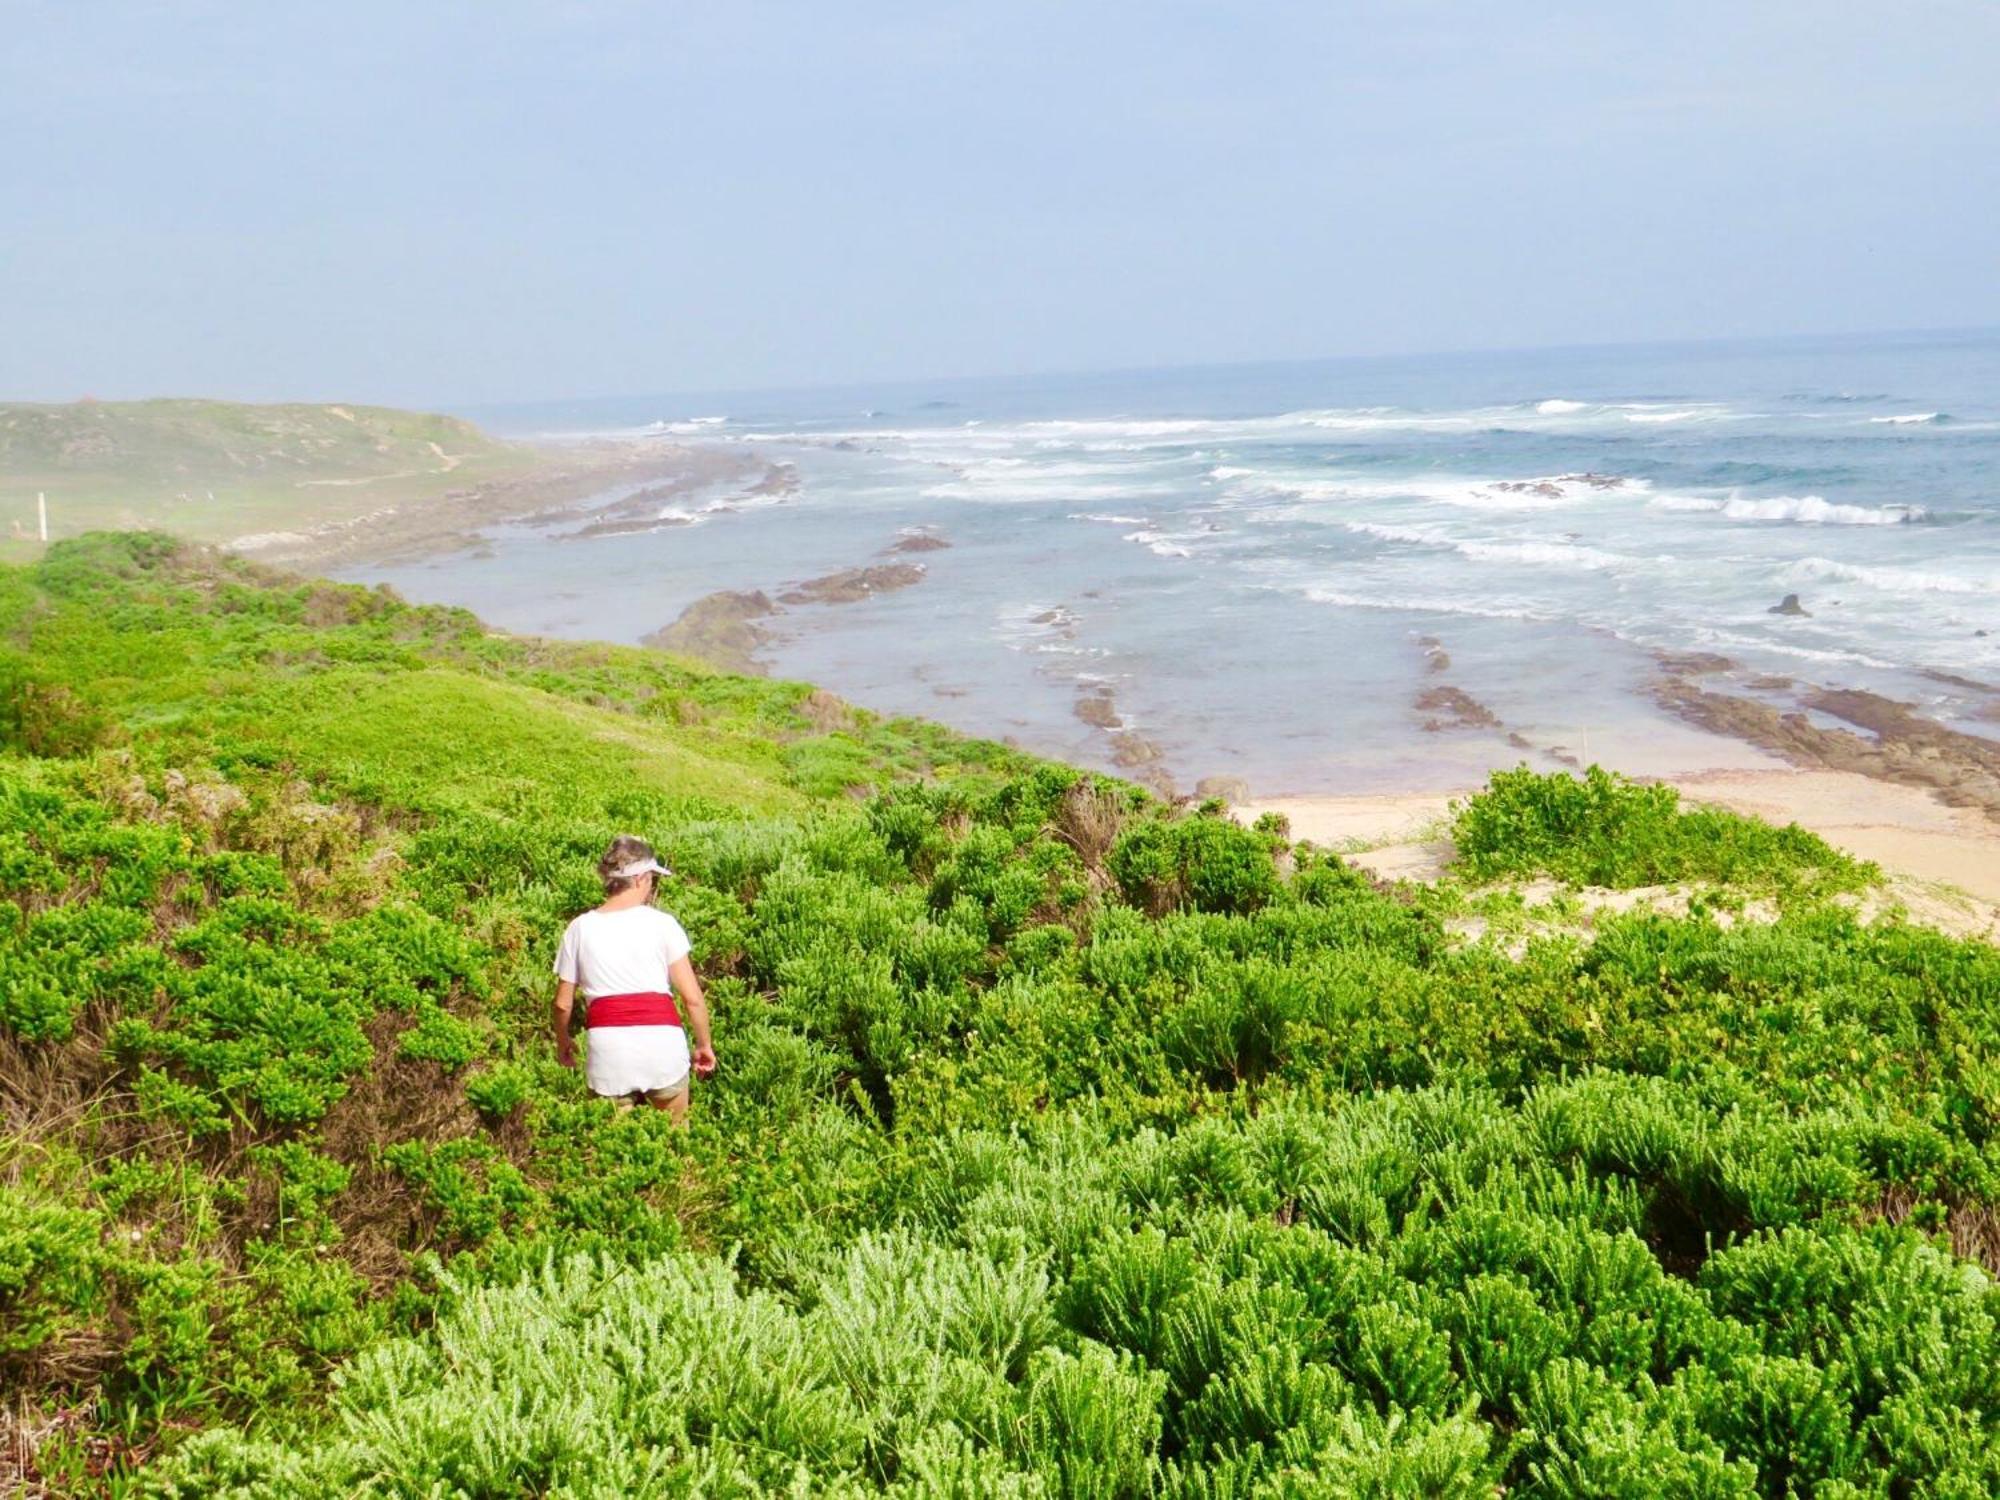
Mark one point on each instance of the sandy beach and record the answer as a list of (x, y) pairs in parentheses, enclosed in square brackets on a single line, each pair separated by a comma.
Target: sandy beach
[(1942, 862)]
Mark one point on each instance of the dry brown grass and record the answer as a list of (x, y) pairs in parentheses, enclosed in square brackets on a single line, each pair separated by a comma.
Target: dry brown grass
[(1089, 820)]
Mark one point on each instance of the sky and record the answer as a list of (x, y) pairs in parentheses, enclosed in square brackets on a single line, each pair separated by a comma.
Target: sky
[(458, 202)]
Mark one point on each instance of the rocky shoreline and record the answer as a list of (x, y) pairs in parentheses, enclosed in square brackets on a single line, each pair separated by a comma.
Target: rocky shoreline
[(724, 629), (1888, 741), (554, 486)]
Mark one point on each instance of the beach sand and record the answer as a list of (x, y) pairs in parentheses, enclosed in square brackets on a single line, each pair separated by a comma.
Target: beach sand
[(1943, 862)]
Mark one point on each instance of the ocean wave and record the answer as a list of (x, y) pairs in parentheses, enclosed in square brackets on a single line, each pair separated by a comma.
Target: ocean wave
[(1545, 554), (1556, 406), (1547, 492), (1891, 580), (1804, 510), (1533, 553), (1418, 536), (1110, 517), (1709, 637), (1030, 487), (1910, 419), (1428, 604), (1682, 415), (1162, 543), (1229, 471)]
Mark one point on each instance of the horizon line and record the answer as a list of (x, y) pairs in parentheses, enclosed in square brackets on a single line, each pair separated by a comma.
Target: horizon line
[(1068, 372)]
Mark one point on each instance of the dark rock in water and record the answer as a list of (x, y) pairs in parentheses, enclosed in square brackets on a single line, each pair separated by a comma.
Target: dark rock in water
[(1225, 788), (1692, 663), (852, 584), (1130, 751), (1897, 744), (1789, 605), (720, 630), (1454, 708), (919, 541), (1096, 707)]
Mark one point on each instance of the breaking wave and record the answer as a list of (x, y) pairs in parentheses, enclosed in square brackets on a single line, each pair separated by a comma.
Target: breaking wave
[(1804, 510), (1890, 580)]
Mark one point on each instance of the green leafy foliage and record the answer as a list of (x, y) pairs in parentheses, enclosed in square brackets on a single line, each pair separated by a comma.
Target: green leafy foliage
[(1602, 829), (1062, 1145)]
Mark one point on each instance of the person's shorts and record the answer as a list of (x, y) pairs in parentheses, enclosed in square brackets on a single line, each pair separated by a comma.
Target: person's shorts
[(658, 1098), (624, 1062)]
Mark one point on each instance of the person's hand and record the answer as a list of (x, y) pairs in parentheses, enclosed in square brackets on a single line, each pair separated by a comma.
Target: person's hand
[(566, 1055), (704, 1060)]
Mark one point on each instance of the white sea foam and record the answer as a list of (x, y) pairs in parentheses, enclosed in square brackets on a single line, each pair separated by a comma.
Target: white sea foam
[(1910, 419), (1416, 603), (1662, 416), (1228, 471), (1162, 543), (1708, 637), (1804, 510), (1418, 535), (1030, 486), (1112, 519), (1811, 510), (1532, 553), (1544, 554), (1891, 580), (1556, 406), (1550, 492)]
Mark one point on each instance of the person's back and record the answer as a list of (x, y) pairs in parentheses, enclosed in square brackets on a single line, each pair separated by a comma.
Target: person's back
[(629, 960)]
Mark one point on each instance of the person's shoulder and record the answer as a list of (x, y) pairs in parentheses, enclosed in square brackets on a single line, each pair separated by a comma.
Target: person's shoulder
[(667, 919)]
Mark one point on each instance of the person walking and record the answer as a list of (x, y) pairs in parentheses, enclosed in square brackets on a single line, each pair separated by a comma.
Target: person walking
[(630, 961)]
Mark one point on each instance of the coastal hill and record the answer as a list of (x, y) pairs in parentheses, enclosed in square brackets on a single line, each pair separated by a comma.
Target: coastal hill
[(303, 483), (215, 468), (1066, 1142)]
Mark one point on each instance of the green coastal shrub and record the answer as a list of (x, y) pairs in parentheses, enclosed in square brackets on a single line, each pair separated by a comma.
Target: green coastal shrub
[(1062, 1143), (1602, 829)]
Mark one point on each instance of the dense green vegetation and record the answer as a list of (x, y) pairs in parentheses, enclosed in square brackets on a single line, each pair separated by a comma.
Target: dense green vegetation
[(1064, 1144), (1604, 830)]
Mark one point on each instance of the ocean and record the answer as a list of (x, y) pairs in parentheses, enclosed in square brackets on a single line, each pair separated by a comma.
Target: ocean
[(1270, 572)]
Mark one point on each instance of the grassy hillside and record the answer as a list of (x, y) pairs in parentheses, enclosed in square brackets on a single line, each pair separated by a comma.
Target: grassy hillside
[(216, 469), (1063, 1144)]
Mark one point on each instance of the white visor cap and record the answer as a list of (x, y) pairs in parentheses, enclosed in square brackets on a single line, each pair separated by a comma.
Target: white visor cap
[(640, 867)]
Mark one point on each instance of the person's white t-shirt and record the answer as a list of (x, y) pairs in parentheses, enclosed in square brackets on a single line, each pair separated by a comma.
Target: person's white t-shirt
[(626, 952)]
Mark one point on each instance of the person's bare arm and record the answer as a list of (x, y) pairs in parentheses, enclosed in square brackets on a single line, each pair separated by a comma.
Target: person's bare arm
[(687, 988), (559, 1014)]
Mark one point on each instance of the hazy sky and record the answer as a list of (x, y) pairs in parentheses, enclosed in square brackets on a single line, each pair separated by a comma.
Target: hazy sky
[(432, 202)]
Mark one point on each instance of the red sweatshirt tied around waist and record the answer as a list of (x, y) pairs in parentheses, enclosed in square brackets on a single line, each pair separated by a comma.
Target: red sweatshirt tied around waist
[(646, 1009)]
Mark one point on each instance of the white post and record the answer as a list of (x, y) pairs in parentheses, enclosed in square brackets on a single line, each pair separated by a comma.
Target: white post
[(42, 513)]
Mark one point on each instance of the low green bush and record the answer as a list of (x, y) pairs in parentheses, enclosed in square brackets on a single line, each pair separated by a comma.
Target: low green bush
[(1605, 830), (1062, 1143)]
